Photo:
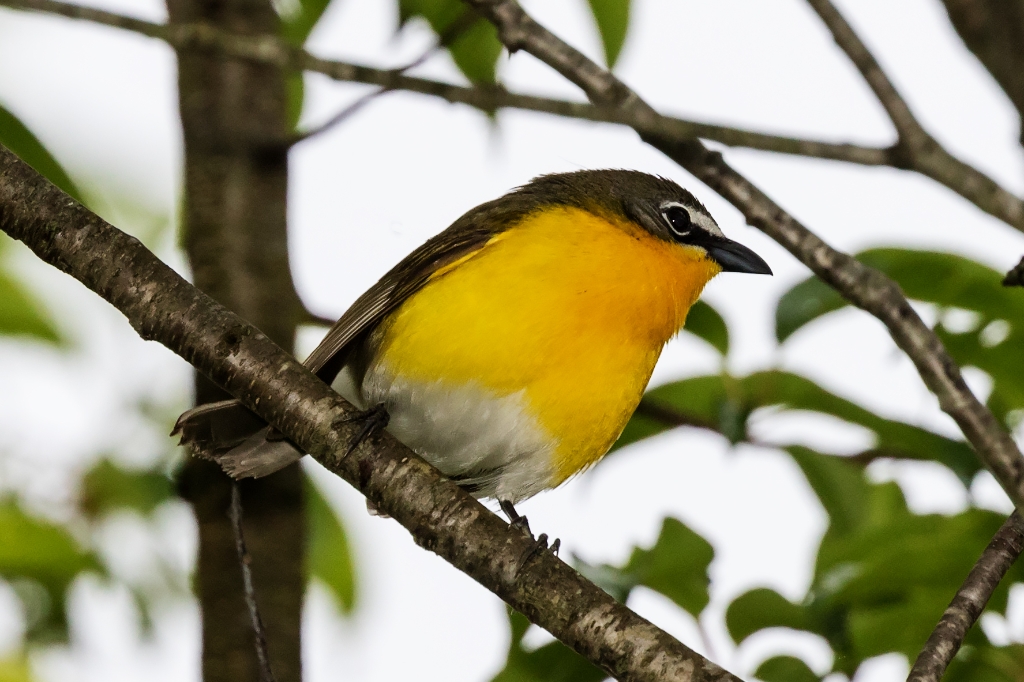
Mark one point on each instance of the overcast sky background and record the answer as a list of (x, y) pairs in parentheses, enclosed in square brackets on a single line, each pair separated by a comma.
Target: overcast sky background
[(367, 193)]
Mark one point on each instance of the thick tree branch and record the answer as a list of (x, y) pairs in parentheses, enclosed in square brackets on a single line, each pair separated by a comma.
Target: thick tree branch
[(969, 601), (915, 148), (163, 307), (948, 171), (864, 287)]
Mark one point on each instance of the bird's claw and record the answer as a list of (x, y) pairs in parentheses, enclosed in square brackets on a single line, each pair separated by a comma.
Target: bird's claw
[(374, 419), (540, 543)]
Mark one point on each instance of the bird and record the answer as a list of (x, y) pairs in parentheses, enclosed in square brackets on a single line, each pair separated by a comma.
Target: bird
[(510, 350)]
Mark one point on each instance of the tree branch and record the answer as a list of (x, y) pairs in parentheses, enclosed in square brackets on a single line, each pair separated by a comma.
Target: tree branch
[(441, 517), (864, 287), (966, 181), (907, 127), (915, 148), (969, 601)]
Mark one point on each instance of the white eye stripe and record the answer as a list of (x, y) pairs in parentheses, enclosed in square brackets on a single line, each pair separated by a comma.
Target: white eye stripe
[(697, 219)]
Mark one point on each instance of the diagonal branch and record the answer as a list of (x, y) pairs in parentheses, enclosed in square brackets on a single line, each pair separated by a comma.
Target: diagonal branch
[(966, 181), (915, 148), (969, 601), (441, 517), (907, 126), (864, 287)]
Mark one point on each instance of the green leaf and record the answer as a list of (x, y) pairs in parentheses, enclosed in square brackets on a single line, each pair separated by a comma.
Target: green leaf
[(883, 585), (987, 664), (14, 667), (295, 86), (475, 49), (839, 485), (19, 139), (676, 566), (945, 279), (612, 17), (725, 403), (107, 487), (764, 608), (883, 575), (1002, 361), (704, 321), (553, 662), (297, 25), (805, 302), (22, 315), (40, 559), (785, 669), (328, 556)]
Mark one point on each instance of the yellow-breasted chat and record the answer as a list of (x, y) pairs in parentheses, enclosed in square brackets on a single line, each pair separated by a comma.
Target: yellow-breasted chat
[(510, 350)]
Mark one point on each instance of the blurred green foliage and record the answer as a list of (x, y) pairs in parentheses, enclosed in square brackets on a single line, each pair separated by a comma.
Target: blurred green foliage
[(612, 18), (472, 43), (706, 323), (40, 559), (328, 556), (19, 139)]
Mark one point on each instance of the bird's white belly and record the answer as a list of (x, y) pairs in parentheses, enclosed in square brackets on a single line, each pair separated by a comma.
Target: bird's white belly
[(491, 444)]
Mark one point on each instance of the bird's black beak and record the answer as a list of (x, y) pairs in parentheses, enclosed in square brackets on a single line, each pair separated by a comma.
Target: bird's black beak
[(734, 257)]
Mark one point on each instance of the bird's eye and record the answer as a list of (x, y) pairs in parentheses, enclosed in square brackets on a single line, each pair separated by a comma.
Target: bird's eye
[(678, 219)]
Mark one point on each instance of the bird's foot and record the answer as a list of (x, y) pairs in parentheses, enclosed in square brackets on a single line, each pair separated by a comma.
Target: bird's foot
[(540, 543), (374, 419)]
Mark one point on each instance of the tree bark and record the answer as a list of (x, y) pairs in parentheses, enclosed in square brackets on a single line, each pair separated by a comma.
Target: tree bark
[(236, 241)]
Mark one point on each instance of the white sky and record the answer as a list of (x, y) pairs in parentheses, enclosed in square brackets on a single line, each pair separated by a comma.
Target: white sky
[(401, 170)]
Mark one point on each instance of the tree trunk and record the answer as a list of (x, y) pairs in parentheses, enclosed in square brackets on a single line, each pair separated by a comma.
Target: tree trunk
[(236, 181)]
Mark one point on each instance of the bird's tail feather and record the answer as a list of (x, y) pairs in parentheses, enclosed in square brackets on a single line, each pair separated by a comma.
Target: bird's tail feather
[(231, 435)]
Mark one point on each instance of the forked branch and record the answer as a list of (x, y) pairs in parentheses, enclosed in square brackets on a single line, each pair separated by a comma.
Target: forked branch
[(915, 148)]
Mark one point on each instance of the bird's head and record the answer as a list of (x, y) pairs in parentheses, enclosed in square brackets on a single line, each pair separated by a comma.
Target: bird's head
[(655, 204)]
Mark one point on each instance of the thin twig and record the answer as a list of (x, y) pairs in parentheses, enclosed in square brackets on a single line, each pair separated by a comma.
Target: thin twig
[(447, 37), (969, 602), (966, 181), (863, 286), (262, 655), (337, 118), (907, 126)]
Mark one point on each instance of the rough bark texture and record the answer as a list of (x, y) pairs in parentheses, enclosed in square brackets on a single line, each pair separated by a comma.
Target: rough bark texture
[(162, 306), (994, 31), (236, 241), (969, 602)]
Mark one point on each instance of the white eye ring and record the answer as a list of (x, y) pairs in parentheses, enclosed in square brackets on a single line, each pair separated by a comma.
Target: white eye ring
[(678, 219)]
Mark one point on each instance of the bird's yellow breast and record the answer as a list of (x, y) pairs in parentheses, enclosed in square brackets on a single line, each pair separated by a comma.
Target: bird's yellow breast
[(567, 307)]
